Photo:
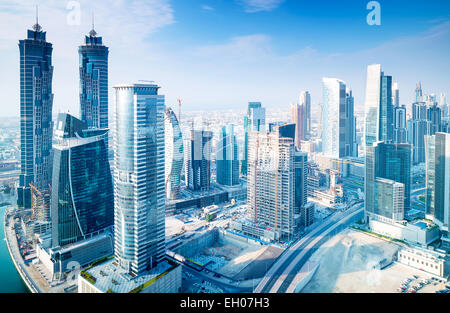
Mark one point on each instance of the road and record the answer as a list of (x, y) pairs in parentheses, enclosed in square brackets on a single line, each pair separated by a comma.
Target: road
[(283, 271)]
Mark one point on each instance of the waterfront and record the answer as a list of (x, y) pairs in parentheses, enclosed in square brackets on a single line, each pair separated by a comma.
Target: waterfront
[(10, 282)]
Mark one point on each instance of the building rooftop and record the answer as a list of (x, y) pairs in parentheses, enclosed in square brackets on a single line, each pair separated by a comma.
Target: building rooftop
[(110, 278)]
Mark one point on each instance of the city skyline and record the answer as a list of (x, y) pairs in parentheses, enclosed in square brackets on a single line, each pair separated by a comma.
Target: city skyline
[(297, 59)]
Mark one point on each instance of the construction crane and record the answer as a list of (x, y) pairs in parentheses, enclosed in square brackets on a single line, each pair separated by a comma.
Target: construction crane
[(35, 189)]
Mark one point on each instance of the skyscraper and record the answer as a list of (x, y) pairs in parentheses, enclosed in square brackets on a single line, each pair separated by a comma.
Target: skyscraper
[(198, 160), (301, 183), (139, 196), (227, 160), (93, 57), (333, 117), (418, 92), (255, 120), (387, 161), (270, 183), (36, 103), (351, 147), (82, 188), (174, 154), (305, 101), (418, 127), (400, 128), (438, 183), (298, 117), (378, 106)]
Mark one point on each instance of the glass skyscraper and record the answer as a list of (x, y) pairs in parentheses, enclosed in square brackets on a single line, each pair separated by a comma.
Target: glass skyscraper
[(82, 202), (438, 183), (378, 106), (334, 117), (36, 103), (174, 154), (255, 120), (227, 161), (139, 195), (94, 81), (198, 160)]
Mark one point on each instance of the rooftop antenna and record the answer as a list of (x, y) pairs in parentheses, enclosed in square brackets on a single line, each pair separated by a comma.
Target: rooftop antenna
[(93, 33), (37, 27)]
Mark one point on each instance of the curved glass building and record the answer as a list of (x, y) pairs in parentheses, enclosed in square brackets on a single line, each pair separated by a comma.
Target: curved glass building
[(139, 196), (174, 154), (82, 203)]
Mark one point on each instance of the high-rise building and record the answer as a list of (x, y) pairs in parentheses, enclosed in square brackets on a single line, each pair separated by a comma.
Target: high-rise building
[(36, 103), (418, 127), (298, 117), (271, 181), (395, 95), (400, 126), (438, 183), (418, 93), (351, 147), (378, 106), (305, 101), (334, 118), (174, 154), (301, 181), (139, 196), (82, 202), (388, 161), (255, 120), (227, 161), (94, 81), (434, 117), (389, 199), (198, 160)]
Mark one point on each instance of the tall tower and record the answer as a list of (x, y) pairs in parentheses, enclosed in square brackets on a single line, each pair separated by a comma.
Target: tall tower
[(378, 106), (36, 103), (174, 154), (198, 160), (94, 81), (139, 196), (227, 157), (305, 101), (333, 117), (298, 117), (255, 120)]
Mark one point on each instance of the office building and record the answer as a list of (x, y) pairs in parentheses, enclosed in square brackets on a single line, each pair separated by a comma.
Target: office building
[(418, 128), (378, 106), (400, 126), (93, 65), (351, 147), (174, 154), (301, 181), (298, 117), (438, 183), (389, 199), (36, 104), (198, 160), (305, 102), (227, 161), (334, 118), (255, 120)]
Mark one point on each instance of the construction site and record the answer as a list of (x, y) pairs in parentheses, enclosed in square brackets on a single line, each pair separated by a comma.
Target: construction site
[(356, 262)]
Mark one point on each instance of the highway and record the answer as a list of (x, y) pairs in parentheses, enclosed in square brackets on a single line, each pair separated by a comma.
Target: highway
[(283, 271)]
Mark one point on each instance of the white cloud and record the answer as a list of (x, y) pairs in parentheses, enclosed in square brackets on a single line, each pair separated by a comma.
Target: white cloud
[(207, 8), (252, 6)]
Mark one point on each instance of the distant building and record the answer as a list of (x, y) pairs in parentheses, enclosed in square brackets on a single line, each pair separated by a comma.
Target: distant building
[(174, 154), (36, 107), (298, 117), (301, 181), (227, 157), (198, 160), (400, 126), (438, 183), (255, 120), (378, 106), (338, 120), (305, 101), (418, 128)]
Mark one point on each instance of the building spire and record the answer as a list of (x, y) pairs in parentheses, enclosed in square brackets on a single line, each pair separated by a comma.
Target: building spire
[(93, 33), (37, 27)]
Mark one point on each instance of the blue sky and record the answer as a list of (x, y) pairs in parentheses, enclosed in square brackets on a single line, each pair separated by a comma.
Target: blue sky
[(223, 53)]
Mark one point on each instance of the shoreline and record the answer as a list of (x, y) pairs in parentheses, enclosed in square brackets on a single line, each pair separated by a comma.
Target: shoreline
[(27, 280)]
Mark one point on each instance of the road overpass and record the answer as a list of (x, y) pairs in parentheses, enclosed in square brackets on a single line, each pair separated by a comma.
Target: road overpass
[(282, 273)]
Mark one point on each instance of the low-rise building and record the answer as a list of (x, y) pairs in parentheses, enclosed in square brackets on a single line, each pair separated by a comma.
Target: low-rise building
[(432, 262)]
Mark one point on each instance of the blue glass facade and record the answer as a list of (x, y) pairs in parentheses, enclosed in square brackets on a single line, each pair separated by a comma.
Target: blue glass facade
[(82, 201), (36, 103), (255, 120), (227, 161), (94, 81)]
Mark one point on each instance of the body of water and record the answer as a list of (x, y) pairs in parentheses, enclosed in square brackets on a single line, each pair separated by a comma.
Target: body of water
[(10, 280)]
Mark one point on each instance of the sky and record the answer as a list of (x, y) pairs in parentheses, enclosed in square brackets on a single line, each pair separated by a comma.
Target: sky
[(221, 54)]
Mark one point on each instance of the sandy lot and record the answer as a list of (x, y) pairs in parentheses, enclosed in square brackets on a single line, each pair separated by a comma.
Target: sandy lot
[(346, 265)]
